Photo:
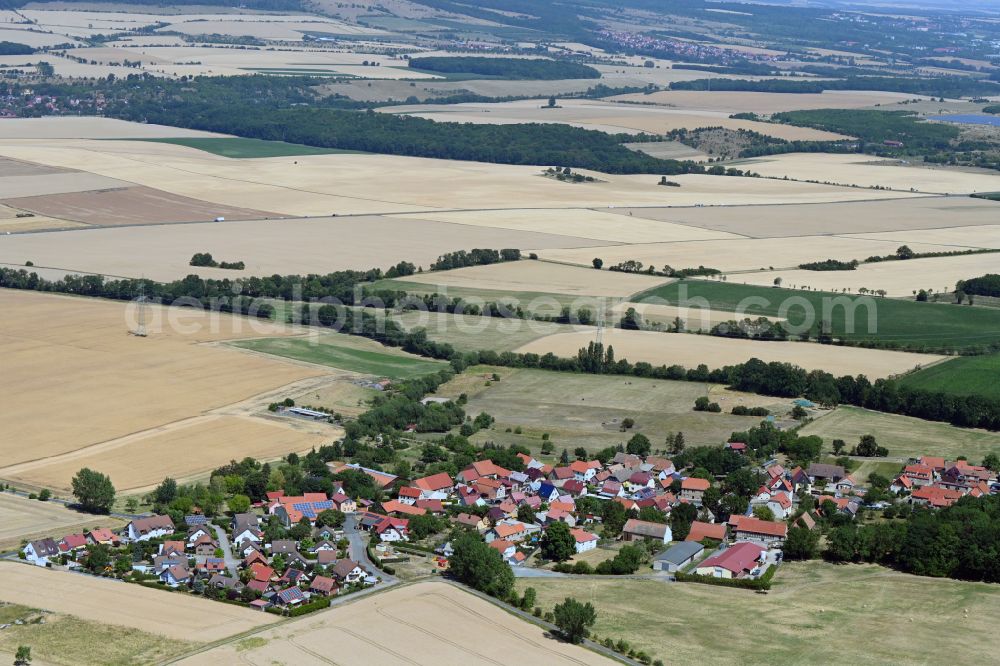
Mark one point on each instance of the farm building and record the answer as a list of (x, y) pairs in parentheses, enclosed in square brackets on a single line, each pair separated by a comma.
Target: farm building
[(677, 557)]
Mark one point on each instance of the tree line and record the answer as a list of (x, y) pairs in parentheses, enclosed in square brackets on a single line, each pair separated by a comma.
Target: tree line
[(539, 69), (945, 86), (754, 376), (960, 541), (984, 285)]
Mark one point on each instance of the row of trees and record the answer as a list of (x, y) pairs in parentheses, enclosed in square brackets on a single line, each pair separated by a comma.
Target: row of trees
[(959, 541), (539, 69)]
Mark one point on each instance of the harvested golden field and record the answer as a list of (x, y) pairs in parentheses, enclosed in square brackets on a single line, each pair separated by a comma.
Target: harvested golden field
[(423, 624), (898, 278), (691, 350), (318, 185), (129, 205), (179, 450), (605, 116), (844, 217), (55, 183), (177, 616), (299, 246), (82, 127), (763, 103), (591, 224), (866, 171), (540, 277), (73, 376), (982, 236), (744, 254), (25, 519)]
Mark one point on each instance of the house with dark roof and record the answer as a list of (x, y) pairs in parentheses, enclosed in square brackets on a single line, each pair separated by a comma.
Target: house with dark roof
[(223, 582), (176, 575), (348, 571), (39, 552), (824, 472), (290, 596), (144, 529), (637, 530)]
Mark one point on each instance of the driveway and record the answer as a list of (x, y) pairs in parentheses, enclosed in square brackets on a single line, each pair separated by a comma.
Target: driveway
[(227, 550), (358, 550)]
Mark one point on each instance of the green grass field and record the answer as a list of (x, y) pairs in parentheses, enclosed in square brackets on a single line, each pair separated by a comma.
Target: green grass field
[(930, 326), (904, 436), (241, 148), (816, 613), (346, 353), (965, 375), (587, 410)]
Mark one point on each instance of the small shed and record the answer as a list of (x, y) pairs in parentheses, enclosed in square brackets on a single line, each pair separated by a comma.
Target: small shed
[(677, 557)]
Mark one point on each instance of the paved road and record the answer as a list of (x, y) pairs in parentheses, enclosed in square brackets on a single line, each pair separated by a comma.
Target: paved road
[(530, 572), (232, 564), (358, 549)]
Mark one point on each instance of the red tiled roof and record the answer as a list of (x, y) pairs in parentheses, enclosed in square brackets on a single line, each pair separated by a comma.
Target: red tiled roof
[(700, 530), (583, 536), (433, 482), (765, 527), (395, 506), (694, 483), (739, 558)]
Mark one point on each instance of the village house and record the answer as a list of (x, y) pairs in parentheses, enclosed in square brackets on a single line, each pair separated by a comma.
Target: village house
[(72, 543), (692, 489), (348, 572), (323, 586), (343, 503), (205, 545), (102, 536), (176, 575), (701, 531), (392, 529), (637, 530), (41, 552), (767, 532), (435, 486), (585, 470), (223, 582), (246, 527), (290, 596), (934, 496), (507, 549), (291, 510), (824, 472), (510, 530), (584, 540), (144, 529), (477, 523)]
